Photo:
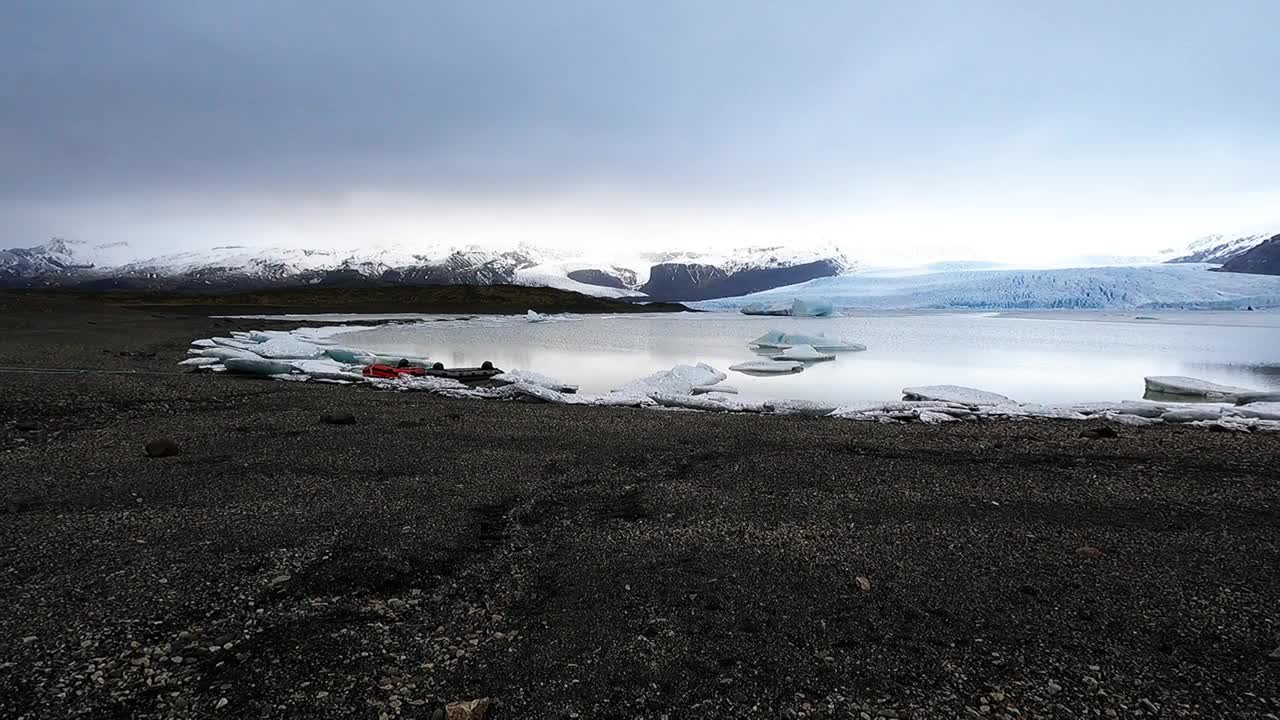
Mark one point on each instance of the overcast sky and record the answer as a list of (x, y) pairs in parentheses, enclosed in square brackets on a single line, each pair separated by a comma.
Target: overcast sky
[(949, 129)]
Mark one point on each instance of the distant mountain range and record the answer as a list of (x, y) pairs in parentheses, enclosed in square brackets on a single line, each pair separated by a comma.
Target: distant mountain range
[(672, 276)]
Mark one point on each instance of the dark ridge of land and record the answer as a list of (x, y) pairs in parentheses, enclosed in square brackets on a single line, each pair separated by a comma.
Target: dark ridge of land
[(599, 563), (463, 299)]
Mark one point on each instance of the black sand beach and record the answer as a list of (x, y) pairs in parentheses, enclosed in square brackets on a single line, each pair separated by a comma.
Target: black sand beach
[(599, 563)]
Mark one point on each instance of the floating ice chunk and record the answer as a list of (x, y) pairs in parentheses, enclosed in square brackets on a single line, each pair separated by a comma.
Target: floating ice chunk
[(225, 353), (327, 370), (679, 380), (808, 408), (700, 374), (771, 339), (200, 361), (1260, 410), (712, 402), (286, 348), (718, 387), (258, 366), (529, 377), (351, 356), (1194, 387), (1192, 414), (955, 393), (798, 307), (813, 307), (1142, 408), (205, 343), (535, 317), (1130, 420), (782, 340), (1257, 397), (777, 309), (803, 353), (768, 366), (933, 417), (234, 343)]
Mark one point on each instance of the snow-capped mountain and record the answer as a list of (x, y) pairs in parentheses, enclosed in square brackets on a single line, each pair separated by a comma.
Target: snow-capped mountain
[(663, 276), (1217, 248), (1184, 285), (1262, 259)]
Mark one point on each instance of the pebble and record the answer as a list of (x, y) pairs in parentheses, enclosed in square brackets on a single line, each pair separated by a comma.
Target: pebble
[(1088, 551), (222, 702), (161, 447), (1054, 688)]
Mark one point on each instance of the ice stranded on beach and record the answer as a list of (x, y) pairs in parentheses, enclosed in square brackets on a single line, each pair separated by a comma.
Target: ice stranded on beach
[(303, 357)]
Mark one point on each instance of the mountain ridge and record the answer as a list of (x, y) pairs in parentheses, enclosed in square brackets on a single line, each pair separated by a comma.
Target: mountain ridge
[(696, 275)]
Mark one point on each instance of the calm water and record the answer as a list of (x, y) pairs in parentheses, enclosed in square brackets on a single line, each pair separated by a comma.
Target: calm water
[(1075, 357)]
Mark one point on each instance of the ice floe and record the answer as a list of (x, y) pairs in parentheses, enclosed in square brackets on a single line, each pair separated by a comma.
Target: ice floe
[(1194, 387), (768, 366), (535, 317), (803, 353), (780, 340), (956, 393), (534, 378)]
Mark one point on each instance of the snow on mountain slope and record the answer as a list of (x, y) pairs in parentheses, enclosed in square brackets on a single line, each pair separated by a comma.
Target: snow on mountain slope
[(1156, 286), (600, 271), (543, 276), (1218, 248)]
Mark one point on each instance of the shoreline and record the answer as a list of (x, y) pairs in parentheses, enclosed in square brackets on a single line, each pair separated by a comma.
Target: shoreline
[(603, 562)]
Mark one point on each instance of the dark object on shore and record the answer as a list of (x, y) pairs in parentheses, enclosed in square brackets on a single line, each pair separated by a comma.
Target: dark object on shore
[(484, 372), (468, 710), (162, 447), (25, 426), (1099, 432), (1088, 551), (338, 418), (387, 372)]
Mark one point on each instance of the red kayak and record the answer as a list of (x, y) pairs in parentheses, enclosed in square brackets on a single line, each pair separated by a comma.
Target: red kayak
[(391, 373)]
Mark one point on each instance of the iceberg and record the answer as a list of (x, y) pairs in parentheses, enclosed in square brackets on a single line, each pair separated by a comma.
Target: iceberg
[(200, 361), (224, 353), (814, 307), (768, 366), (258, 366), (351, 356), (777, 339), (679, 380), (1194, 387), (528, 377), (1260, 410), (803, 353), (955, 394), (284, 348), (798, 307), (777, 309), (535, 317)]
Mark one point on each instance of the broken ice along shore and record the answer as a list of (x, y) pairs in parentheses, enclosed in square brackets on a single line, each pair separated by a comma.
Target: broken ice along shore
[(314, 355)]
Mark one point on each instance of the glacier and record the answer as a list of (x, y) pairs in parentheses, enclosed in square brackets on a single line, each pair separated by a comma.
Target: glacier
[(1182, 286)]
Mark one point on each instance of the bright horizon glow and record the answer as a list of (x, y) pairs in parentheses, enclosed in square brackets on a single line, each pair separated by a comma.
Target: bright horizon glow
[(927, 131)]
